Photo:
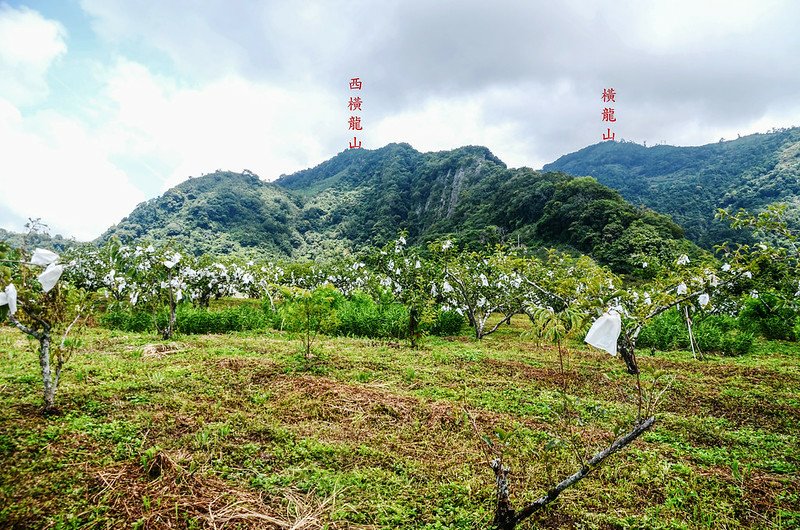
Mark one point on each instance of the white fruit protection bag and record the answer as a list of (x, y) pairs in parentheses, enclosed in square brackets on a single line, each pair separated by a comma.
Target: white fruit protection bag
[(605, 331), (9, 296)]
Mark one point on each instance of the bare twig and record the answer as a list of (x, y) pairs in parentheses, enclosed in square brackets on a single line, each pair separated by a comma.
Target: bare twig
[(69, 328), (478, 432), (656, 398)]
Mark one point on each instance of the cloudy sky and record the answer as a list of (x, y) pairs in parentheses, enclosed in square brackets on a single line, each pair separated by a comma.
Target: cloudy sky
[(106, 103)]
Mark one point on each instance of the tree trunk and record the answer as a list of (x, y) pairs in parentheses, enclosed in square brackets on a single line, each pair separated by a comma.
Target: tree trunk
[(307, 307), (480, 323), (43, 337), (308, 338), (172, 318), (504, 517), (167, 334), (413, 323), (271, 301), (626, 351), (692, 342), (47, 375), (473, 322), (204, 300)]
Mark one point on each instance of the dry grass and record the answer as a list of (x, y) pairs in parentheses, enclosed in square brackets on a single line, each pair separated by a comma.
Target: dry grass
[(165, 494)]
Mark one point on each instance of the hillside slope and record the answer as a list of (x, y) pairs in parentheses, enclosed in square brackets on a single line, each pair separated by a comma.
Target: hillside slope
[(690, 183), (364, 197)]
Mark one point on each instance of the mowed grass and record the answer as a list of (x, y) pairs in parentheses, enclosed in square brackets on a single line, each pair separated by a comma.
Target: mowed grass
[(239, 431)]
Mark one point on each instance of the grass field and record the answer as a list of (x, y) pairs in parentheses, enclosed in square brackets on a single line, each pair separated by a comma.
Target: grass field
[(239, 431)]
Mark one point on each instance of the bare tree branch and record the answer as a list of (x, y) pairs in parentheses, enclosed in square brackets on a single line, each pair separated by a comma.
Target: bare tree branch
[(25, 329), (69, 328), (506, 318), (505, 516), (595, 461)]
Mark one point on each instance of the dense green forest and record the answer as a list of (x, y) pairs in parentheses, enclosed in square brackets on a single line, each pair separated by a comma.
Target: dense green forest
[(690, 183), (365, 197)]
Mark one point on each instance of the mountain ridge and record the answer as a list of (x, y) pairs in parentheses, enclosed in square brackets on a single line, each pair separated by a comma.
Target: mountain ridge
[(365, 197), (690, 183)]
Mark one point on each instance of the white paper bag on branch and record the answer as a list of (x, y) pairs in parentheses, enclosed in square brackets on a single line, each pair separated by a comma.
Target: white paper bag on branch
[(50, 276), (11, 298), (43, 257), (604, 332)]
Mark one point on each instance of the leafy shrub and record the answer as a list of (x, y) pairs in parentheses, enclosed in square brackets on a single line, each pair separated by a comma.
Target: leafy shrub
[(127, 320), (724, 323), (665, 332), (736, 343), (201, 321), (769, 317), (358, 316), (713, 333), (708, 336), (447, 323), (361, 316), (189, 320), (309, 311), (113, 320)]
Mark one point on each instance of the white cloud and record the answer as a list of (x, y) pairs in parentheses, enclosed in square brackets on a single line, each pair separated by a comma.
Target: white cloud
[(229, 123), (59, 171), (61, 168), (721, 63), (29, 44), (687, 24), (443, 124), (52, 166)]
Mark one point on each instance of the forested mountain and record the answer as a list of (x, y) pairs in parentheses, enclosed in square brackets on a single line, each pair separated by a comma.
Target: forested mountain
[(363, 197), (690, 183)]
